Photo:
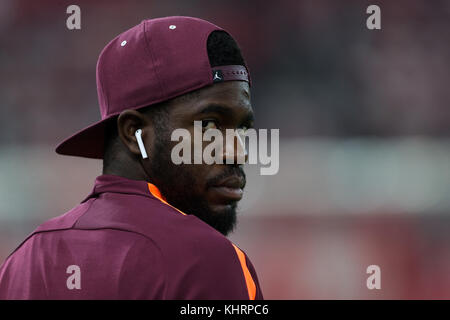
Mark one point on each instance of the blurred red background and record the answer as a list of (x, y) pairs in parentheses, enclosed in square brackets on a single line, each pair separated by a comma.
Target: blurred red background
[(364, 124)]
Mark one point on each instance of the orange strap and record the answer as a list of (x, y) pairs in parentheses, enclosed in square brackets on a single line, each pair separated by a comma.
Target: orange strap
[(251, 287), (157, 194)]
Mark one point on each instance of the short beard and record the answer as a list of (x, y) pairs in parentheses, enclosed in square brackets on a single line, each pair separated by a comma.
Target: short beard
[(175, 184)]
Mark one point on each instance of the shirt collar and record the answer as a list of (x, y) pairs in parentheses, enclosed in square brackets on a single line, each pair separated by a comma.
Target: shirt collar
[(117, 184)]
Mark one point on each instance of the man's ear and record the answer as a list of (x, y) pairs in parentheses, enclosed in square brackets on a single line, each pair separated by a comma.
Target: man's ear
[(127, 123)]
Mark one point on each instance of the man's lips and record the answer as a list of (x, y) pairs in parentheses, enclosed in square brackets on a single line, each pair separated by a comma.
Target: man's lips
[(230, 188)]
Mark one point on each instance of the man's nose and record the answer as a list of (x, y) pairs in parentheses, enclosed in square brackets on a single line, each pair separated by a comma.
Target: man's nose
[(234, 151)]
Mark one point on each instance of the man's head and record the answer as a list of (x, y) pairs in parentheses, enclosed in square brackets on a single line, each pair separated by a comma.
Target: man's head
[(210, 192)]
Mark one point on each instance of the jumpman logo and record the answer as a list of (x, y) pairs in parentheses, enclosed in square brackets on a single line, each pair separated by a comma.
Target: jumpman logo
[(216, 76)]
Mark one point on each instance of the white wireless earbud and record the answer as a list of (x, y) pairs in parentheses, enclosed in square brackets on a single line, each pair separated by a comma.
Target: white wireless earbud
[(138, 134)]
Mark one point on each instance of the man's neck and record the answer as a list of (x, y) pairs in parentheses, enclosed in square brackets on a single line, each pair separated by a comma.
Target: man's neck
[(132, 172)]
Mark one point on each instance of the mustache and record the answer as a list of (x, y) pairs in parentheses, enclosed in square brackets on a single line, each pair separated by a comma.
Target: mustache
[(229, 171)]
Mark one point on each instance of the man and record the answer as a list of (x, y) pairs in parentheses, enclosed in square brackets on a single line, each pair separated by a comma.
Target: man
[(150, 229)]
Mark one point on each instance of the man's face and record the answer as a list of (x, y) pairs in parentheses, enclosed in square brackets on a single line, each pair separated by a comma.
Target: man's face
[(210, 192)]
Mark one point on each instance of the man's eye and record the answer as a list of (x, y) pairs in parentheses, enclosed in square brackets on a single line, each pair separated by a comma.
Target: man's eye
[(209, 124)]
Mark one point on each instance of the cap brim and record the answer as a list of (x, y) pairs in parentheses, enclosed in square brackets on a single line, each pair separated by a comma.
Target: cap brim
[(88, 142)]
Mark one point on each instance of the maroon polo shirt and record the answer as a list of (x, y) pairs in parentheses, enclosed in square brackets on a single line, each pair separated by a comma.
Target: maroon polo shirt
[(125, 242)]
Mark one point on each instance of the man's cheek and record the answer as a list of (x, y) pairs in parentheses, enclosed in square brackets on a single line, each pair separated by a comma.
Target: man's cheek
[(198, 175)]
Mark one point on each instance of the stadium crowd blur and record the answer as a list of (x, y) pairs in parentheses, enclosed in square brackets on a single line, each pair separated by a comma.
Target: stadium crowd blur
[(364, 119)]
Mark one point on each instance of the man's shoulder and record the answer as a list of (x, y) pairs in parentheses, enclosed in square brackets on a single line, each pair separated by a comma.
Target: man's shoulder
[(151, 224), (152, 218), (130, 240)]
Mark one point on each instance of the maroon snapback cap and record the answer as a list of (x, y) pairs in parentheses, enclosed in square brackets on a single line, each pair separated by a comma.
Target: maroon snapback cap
[(155, 61)]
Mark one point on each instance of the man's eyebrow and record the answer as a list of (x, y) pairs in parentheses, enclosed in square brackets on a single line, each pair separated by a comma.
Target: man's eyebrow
[(216, 108), (224, 111)]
